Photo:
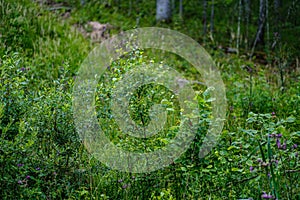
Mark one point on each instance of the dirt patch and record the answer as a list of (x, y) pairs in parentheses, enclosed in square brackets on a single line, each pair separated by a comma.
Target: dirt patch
[(94, 30)]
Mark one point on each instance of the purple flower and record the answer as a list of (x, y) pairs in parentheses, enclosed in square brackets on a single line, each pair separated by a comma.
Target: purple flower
[(38, 169), (20, 165), (269, 175), (295, 146), (266, 196), (284, 145), (279, 135), (20, 182), (259, 160), (120, 180), (251, 168), (27, 177), (133, 177), (124, 186), (249, 69), (273, 113), (276, 161), (23, 69), (278, 143)]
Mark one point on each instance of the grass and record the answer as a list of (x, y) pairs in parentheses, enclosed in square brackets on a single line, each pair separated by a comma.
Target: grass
[(42, 156)]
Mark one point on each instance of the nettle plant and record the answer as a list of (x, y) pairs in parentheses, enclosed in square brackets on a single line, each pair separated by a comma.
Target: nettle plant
[(275, 157)]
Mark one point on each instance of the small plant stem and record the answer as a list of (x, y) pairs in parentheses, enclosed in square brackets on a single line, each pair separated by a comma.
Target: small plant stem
[(273, 178)]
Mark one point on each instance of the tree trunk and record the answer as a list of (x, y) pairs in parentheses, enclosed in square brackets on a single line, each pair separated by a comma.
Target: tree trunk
[(173, 6), (267, 24), (260, 34), (277, 5), (212, 16), (180, 8), (239, 26), (204, 17), (247, 4), (163, 10), (130, 7), (277, 21)]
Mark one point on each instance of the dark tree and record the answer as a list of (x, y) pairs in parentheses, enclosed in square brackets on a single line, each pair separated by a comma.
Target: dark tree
[(204, 17), (212, 16), (260, 33)]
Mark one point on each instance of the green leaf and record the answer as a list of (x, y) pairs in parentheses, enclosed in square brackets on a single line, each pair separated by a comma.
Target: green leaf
[(183, 169), (291, 119), (249, 162), (231, 147), (234, 169)]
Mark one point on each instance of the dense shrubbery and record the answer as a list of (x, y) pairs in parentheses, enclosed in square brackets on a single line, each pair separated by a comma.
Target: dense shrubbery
[(41, 154), (42, 157)]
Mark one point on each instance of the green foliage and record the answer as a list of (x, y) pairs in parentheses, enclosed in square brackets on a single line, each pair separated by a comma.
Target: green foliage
[(30, 30), (42, 157), (40, 151)]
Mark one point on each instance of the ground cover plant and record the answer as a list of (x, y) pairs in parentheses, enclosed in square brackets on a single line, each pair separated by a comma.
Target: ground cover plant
[(42, 156)]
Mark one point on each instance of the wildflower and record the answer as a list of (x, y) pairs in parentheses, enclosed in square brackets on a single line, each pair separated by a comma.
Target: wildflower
[(284, 145), (273, 113), (38, 169), (120, 180), (27, 177), (266, 196), (259, 160), (20, 182), (133, 177), (295, 146), (20, 165), (269, 175), (124, 186), (279, 135), (249, 69), (278, 143), (251, 168), (23, 69)]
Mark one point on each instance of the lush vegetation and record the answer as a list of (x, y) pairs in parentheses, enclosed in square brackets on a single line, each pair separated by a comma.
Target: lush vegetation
[(42, 156)]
